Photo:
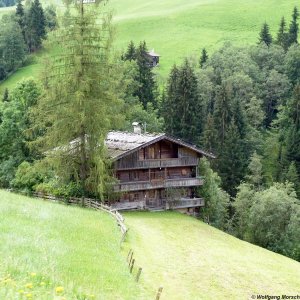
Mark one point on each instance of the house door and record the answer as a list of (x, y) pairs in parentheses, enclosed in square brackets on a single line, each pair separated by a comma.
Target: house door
[(152, 198)]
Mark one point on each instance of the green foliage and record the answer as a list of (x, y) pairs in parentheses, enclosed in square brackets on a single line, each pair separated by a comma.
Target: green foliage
[(265, 36), (81, 102), (50, 17), (13, 126), (12, 46), (182, 106), (35, 26), (203, 58), (282, 35), (216, 200), (294, 28), (270, 215), (27, 177), (146, 89), (255, 176)]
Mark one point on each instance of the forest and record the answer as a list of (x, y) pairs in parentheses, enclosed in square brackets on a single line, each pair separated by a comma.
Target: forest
[(240, 103)]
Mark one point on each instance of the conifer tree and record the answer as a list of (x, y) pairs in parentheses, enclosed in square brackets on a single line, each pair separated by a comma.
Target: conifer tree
[(294, 28), (265, 36), (203, 58), (282, 35), (131, 52), (183, 119), (81, 100), (169, 103), (35, 26), (20, 15), (147, 90), (293, 132)]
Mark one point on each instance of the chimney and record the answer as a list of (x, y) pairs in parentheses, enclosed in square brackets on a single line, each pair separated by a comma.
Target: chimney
[(137, 127)]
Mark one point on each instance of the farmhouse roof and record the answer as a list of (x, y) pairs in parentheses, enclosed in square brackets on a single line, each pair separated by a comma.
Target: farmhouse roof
[(152, 53), (121, 144)]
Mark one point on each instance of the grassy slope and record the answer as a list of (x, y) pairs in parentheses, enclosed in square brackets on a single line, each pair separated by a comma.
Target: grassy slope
[(65, 246), (192, 260), (179, 28)]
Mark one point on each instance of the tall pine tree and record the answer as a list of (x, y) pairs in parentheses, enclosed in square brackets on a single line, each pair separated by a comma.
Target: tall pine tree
[(265, 36), (35, 26), (294, 28)]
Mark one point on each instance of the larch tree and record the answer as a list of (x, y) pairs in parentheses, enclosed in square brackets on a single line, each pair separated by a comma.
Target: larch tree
[(81, 99)]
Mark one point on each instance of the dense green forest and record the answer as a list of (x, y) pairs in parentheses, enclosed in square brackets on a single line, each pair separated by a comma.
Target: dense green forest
[(22, 33), (241, 103)]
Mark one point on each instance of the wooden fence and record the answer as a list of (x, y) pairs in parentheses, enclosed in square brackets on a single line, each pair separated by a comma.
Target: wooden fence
[(90, 203)]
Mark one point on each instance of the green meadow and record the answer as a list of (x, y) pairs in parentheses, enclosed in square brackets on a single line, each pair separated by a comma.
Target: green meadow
[(193, 261), (51, 251), (180, 28)]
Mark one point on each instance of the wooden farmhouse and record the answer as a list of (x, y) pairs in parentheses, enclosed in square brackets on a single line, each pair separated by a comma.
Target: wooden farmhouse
[(153, 58), (155, 171)]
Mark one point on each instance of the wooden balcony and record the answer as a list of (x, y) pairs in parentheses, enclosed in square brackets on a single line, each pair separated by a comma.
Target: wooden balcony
[(157, 163), (187, 202), (156, 184), (176, 204)]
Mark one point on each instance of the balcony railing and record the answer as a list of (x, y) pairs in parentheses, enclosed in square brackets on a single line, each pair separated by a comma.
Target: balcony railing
[(157, 183), (157, 163), (176, 204)]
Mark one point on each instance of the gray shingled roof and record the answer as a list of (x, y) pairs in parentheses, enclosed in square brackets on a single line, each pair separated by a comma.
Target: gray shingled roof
[(120, 143)]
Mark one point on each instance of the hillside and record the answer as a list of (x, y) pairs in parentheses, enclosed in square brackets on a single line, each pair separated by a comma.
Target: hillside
[(47, 245), (50, 245), (192, 260), (181, 28)]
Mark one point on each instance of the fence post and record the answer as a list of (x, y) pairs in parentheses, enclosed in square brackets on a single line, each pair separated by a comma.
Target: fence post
[(138, 274), (159, 293), (130, 258), (131, 267), (128, 254)]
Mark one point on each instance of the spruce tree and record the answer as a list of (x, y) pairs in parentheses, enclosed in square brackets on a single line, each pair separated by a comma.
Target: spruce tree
[(265, 36), (282, 35), (20, 15), (147, 90), (294, 28), (293, 132), (35, 26), (169, 103), (131, 52), (203, 58), (81, 100)]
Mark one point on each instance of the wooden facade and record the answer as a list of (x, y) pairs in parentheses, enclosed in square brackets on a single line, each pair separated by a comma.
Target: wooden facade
[(155, 172)]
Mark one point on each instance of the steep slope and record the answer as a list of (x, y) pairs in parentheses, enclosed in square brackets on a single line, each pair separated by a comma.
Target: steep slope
[(45, 246), (193, 260)]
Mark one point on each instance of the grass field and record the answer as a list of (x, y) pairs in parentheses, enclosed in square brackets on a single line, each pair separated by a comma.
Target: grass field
[(45, 246), (180, 28), (192, 260)]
